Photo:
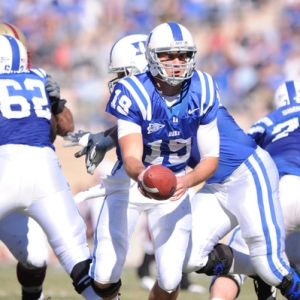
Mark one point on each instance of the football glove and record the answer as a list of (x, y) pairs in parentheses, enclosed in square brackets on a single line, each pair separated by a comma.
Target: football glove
[(53, 89), (83, 139), (96, 153)]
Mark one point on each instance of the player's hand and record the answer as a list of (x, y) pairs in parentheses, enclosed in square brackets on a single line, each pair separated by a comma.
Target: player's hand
[(140, 185), (83, 139), (80, 138), (143, 191), (180, 189), (96, 153), (53, 89)]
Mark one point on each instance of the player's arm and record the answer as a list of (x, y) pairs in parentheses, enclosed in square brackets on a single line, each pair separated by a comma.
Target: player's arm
[(61, 115), (53, 129), (259, 129), (65, 122), (208, 140), (131, 146), (94, 146)]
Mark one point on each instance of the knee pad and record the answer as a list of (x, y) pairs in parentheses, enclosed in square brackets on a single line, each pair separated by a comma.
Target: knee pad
[(80, 275), (236, 278), (30, 277), (103, 293), (219, 261)]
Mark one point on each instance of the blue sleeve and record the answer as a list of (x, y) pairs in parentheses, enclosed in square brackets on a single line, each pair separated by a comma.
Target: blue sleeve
[(123, 105)]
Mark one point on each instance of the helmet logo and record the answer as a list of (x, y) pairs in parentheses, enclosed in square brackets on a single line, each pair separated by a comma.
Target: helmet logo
[(139, 47)]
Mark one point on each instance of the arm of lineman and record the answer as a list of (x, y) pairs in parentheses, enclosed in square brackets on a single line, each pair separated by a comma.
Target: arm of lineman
[(94, 146), (209, 147), (62, 118)]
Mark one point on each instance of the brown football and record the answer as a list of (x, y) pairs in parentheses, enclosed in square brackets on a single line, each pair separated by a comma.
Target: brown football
[(159, 182)]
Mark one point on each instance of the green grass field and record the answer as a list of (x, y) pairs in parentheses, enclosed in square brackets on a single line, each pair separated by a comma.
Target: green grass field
[(58, 286)]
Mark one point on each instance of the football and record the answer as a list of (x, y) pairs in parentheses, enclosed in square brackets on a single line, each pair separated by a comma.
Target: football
[(159, 182)]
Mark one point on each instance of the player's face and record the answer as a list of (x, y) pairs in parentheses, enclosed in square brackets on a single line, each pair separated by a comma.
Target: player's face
[(121, 75), (172, 61)]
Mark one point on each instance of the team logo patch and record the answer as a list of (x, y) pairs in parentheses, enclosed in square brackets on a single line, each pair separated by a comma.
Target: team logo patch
[(154, 127)]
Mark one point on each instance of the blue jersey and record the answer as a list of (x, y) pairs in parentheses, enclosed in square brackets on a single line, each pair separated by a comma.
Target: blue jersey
[(25, 112), (235, 147), (167, 133), (279, 134)]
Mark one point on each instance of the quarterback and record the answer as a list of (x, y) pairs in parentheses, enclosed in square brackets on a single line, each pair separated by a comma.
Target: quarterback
[(157, 113)]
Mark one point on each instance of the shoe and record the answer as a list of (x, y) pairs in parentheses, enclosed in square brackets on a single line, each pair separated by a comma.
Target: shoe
[(196, 288), (43, 297), (147, 283), (263, 290)]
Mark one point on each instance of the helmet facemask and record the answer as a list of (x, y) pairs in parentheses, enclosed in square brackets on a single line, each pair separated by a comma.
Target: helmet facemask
[(122, 73), (171, 38), (158, 67)]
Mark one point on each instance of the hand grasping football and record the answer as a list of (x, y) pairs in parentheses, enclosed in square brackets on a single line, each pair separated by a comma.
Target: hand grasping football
[(159, 182)]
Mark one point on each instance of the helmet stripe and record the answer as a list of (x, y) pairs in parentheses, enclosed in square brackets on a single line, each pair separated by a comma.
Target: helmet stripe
[(15, 53), (176, 31), (13, 30), (290, 88)]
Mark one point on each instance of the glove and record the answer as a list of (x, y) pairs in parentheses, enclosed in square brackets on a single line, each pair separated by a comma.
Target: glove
[(53, 89), (96, 153), (83, 139)]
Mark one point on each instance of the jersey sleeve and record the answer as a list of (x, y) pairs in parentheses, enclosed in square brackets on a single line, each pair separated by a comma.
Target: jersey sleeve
[(210, 99), (123, 103), (258, 130)]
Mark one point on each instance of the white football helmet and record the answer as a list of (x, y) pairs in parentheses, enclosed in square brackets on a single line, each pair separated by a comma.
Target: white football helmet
[(13, 55), (127, 56), (170, 37), (9, 29), (287, 93)]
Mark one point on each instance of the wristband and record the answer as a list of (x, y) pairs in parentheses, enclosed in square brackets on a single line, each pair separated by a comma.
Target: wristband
[(57, 107)]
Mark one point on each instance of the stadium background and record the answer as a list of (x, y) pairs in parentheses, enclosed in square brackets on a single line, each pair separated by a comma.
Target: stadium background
[(249, 47)]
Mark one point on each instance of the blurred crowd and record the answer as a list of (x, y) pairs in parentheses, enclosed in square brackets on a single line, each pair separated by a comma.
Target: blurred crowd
[(249, 47)]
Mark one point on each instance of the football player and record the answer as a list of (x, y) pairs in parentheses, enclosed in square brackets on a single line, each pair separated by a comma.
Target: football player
[(278, 133), (158, 112), (21, 234), (256, 170), (125, 60), (38, 188), (244, 191)]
